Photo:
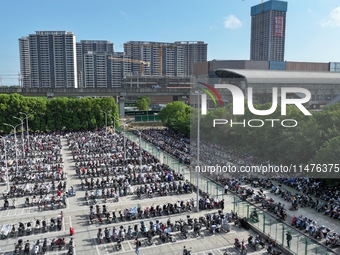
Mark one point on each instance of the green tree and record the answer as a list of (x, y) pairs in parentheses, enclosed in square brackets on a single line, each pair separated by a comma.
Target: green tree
[(218, 134), (326, 161), (143, 103), (176, 116), (328, 153)]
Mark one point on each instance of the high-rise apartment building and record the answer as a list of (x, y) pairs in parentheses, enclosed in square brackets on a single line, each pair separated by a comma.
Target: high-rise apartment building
[(268, 31), (48, 60), (190, 52), (92, 60), (165, 59)]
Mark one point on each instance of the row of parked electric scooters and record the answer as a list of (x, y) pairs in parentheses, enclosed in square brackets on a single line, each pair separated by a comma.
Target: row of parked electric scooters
[(118, 170), (165, 231), (43, 202), (268, 203), (41, 247), (27, 190), (322, 232), (255, 243), (26, 228), (137, 212), (149, 190), (24, 178)]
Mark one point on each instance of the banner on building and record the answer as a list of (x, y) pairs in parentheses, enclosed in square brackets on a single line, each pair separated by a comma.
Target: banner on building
[(278, 26)]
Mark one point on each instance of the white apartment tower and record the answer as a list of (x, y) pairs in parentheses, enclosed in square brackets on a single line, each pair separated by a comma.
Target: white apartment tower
[(99, 66), (48, 60), (190, 52)]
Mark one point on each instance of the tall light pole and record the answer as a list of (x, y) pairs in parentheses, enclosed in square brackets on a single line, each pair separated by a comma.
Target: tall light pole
[(15, 138), (198, 147), (124, 147), (114, 123), (140, 151), (27, 132), (105, 122), (5, 148), (22, 135)]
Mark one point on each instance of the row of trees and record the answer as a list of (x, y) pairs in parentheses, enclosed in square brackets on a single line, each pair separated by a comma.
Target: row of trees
[(60, 113)]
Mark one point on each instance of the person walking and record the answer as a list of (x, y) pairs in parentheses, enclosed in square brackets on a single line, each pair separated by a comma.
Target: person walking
[(138, 244), (222, 205), (243, 248), (226, 187), (289, 238)]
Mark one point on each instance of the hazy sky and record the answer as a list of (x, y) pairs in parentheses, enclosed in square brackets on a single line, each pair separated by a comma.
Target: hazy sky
[(312, 29)]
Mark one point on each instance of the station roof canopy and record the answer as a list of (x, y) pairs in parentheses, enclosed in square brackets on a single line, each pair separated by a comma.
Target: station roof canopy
[(280, 77)]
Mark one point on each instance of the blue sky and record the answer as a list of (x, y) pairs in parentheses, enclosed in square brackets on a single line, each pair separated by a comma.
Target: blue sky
[(312, 29)]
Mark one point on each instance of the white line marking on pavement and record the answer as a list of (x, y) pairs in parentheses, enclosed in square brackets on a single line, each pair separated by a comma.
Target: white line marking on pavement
[(220, 251), (96, 244), (130, 246), (107, 251)]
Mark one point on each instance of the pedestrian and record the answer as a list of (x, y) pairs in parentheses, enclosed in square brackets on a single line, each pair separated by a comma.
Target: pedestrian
[(71, 231), (226, 187), (61, 215), (289, 238), (222, 205), (243, 248), (138, 244)]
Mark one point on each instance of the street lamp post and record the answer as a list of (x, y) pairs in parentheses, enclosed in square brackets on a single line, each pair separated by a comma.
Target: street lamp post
[(105, 121), (22, 135), (140, 151), (27, 132), (198, 150), (5, 148), (114, 123), (124, 144), (15, 138)]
